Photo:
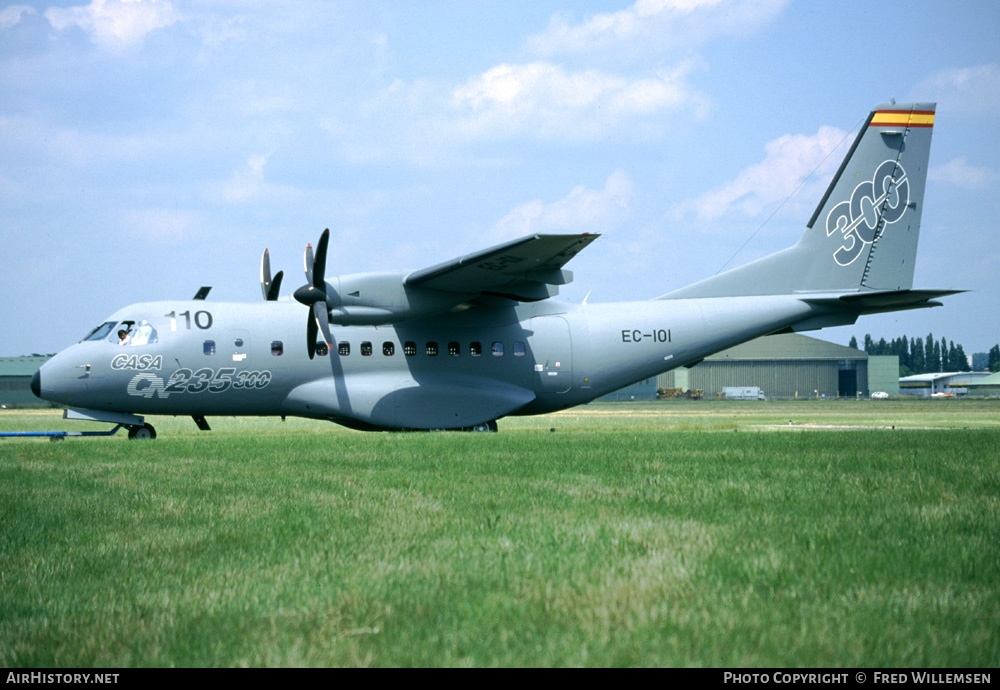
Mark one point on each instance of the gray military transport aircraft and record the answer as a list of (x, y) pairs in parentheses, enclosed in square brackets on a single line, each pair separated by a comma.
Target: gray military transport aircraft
[(462, 344)]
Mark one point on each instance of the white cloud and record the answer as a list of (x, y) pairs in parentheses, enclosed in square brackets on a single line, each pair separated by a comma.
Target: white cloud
[(422, 121), (966, 90), (959, 172), (790, 159), (547, 100), (409, 122), (217, 31), (582, 210), (72, 147), (10, 16), (159, 225), (425, 122), (248, 185), (541, 99), (654, 25), (115, 24)]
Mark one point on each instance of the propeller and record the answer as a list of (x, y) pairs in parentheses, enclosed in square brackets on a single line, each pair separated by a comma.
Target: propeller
[(269, 287), (313, 294)]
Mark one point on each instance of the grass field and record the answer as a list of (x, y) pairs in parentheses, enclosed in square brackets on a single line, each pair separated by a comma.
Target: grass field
[(706, 534)]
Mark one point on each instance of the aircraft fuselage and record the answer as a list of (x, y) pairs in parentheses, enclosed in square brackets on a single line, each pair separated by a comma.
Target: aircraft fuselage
[(454, 370)]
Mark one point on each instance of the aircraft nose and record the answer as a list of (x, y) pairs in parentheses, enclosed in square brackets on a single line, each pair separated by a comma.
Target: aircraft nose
[(36, 383)]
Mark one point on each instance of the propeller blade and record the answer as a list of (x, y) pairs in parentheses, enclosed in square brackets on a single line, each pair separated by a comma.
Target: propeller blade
[(307, 260), (319, 266), (322, 319), (265, 273), (275, 289), (311, 336), (313, 294)]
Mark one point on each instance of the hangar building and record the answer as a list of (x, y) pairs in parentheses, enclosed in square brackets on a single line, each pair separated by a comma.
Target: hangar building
[(988, 386), (15, 381), (946, 382)]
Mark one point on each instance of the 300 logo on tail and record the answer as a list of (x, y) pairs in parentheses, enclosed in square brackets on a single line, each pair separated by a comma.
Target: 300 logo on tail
[(880, 201)]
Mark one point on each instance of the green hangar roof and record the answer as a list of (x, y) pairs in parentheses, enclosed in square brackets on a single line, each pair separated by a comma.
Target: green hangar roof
[(788, 346), (20, 366)]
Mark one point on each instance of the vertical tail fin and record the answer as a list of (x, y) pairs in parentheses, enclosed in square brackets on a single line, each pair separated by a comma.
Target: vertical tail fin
[(863, 235), (871, 212)]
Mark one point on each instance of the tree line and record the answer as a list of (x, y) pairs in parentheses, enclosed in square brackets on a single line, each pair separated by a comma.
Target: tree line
[(929, 355)]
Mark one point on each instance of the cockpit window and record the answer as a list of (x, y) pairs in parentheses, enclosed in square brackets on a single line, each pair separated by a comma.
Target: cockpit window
[(144, 334), (133, 334), (101, 331)]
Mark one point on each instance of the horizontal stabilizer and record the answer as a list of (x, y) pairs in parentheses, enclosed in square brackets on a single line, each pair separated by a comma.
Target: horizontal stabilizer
[(877, 302)]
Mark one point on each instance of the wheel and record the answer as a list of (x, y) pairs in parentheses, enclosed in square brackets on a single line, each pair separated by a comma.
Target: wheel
[(485, 426), (146, 432), (493, 425)]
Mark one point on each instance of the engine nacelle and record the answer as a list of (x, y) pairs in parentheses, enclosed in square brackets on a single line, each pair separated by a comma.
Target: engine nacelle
[(373, 299)]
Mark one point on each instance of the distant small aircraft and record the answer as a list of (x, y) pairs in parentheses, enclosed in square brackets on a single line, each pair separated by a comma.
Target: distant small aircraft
[(469, 341)]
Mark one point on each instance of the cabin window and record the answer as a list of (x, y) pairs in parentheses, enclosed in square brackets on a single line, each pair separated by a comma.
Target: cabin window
[(475, 349), (277, 348), (322, 349), (454, 348), (388, 349), (238, 342), (518, 349), (498, 349), (209, 347), (432, 349), (409, 348), (344, 349), (102, 331), (366, 349)]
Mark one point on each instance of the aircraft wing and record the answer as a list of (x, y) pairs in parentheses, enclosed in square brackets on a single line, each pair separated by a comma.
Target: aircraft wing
[(522, 269)]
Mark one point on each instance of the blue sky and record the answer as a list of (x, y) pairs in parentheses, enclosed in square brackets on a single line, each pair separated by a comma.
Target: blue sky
[(151, 147)]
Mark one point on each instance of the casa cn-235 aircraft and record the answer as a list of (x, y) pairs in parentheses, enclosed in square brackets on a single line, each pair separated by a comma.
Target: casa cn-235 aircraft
[(469, 341)]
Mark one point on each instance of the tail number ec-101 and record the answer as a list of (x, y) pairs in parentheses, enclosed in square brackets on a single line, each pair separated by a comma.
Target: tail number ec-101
[(660, 335), (184, 380)]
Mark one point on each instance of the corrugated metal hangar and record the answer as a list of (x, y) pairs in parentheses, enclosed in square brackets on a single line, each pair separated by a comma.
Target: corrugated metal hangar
[(782, 366), (986, 387), (15, 380)]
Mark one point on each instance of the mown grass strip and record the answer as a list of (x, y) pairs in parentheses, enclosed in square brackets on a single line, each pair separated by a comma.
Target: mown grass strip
[(614, 544)]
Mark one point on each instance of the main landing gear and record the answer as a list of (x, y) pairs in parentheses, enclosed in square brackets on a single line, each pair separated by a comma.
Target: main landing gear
[(483, 427), (146, 432)]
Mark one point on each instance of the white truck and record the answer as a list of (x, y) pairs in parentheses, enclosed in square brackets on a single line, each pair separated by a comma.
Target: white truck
[(742, 393)]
